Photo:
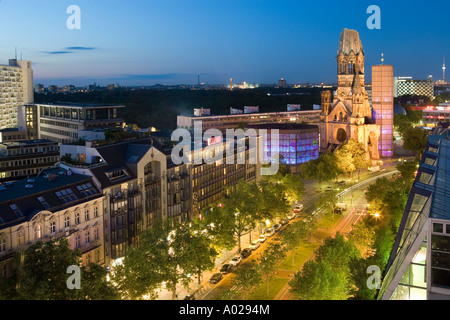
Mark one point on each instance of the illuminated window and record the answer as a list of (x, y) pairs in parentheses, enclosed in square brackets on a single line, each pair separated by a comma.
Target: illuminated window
[(37, 232), (21, 238)]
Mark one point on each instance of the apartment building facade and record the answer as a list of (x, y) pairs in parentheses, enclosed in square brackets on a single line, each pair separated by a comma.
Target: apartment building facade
[(141, 183), (58, 204)]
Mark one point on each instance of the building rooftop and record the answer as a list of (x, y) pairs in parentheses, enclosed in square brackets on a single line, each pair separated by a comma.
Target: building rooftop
[(21, 200), (284, 126), (80, 105), (28, 142), (250, 114)]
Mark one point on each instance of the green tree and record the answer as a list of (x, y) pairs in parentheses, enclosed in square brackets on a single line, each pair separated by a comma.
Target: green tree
[(362, 236), (351, 156), (327, 202), (319, 281), (247, 279), (269, 260), (324, 169), (328, 275), (294, 236), (415, 139), (242, 210), (199, 249), (41, 274), (167, 253)]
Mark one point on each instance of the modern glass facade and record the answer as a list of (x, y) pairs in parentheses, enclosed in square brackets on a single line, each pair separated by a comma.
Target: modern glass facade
[(419, 266), (297, 143)]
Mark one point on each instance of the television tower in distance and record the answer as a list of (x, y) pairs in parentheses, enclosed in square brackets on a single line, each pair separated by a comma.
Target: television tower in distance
[(443, 71)]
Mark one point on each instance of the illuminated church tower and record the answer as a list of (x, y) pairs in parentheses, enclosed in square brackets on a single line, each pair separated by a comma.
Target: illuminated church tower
[(347, 114)]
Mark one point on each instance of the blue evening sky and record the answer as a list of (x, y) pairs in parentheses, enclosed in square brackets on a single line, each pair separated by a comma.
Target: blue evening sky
[(144, 42)]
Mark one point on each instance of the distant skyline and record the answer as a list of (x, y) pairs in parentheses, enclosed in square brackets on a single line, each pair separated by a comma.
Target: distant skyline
[(258, 41)]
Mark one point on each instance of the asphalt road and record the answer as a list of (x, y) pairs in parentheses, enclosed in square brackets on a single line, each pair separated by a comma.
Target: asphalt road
[(356, 210)]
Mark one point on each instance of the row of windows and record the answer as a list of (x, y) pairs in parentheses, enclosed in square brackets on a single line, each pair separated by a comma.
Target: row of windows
[(60, 132), (59, 124), (19, 173), (32, 150), (38, 229), (27, 162)]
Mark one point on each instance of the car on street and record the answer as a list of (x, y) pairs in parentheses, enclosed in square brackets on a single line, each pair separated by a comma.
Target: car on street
[(235, 261), (270, 232), (189, 297), (284, 222), (216, 277), (255, 244), (338, 210), (226, 268), (298, 208), (341, 205), (290, 215), (276, 227), (329, 189), (246, 252), (262, 238)]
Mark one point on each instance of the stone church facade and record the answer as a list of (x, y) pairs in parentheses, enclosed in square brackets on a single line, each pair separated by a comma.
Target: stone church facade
[(348, 114)]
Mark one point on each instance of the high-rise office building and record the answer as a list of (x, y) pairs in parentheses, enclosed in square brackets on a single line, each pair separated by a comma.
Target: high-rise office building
[(409, 86), (383, 106), (16, 88)]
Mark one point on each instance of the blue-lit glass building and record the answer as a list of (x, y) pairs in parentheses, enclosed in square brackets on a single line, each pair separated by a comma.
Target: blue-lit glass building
[(298, 143)]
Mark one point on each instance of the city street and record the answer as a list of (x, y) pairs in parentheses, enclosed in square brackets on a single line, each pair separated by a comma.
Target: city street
[(353, 196)]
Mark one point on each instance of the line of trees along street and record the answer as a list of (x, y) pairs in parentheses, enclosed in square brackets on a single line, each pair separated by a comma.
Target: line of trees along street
[(348, 158), (41, 274), (339, 269), (169, 253)]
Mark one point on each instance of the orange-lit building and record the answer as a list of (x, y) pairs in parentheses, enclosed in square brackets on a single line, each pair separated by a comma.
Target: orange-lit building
[(383, 106)]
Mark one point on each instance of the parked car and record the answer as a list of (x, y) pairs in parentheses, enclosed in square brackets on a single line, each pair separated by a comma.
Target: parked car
[(189, 297), (255, 244), (329, 189), (338, 210), (246, 252), (341, 205), (270, 232), (235, 261), (290, 215), (276, 227), (216, 277), (284, 222), (225, 268), (262, 238), (298, 208)]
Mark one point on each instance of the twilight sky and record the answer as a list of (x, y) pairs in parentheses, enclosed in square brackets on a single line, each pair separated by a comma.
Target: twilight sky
[(144, 42)]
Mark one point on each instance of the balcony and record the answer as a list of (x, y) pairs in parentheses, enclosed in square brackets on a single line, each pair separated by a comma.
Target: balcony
[(90, 246)]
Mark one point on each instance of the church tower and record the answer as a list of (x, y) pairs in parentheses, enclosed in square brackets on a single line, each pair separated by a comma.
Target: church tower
[(348, 114)]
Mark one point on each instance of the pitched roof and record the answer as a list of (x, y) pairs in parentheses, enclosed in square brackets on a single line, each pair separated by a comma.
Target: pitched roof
[(21, 200)]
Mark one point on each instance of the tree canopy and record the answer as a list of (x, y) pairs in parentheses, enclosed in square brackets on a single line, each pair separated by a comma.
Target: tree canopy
[(41, 274)]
